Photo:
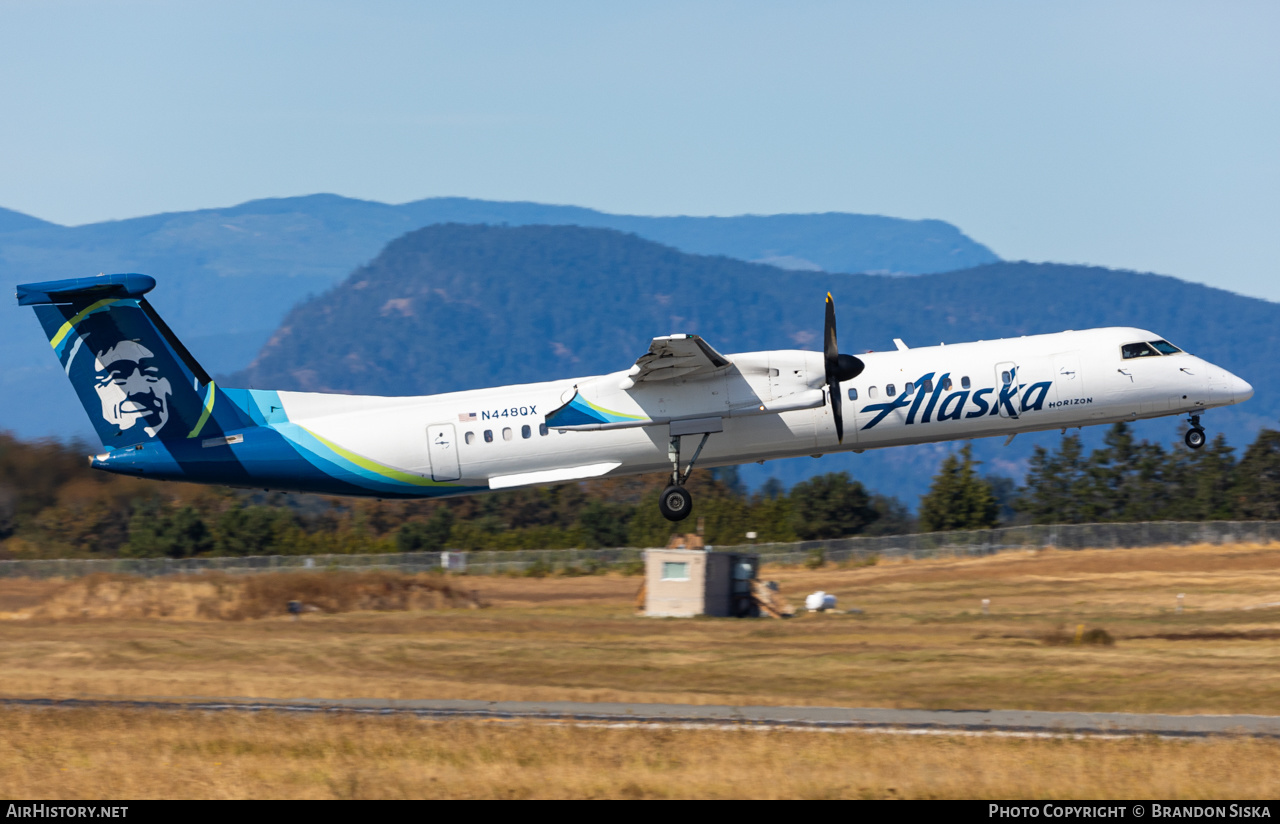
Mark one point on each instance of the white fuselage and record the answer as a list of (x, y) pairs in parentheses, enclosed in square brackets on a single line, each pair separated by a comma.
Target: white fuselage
[(973, 390)]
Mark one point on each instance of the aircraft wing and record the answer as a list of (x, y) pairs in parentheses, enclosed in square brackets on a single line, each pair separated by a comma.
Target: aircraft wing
[(698, 406), (675, 356)]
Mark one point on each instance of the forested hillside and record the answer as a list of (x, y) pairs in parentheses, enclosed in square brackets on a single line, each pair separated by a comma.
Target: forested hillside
[(453, 307), (52, 505)]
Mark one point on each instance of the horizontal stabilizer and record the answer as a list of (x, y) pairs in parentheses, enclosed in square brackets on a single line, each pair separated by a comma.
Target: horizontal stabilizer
[(83, 290)]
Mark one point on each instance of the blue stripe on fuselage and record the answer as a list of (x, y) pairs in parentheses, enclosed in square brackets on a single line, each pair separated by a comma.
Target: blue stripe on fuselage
[(267, 457)]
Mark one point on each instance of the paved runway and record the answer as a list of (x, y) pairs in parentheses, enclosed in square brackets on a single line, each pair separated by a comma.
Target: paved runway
[(868, 719)]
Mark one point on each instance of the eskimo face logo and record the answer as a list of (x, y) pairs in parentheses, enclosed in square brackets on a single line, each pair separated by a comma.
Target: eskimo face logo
[(131, 388)]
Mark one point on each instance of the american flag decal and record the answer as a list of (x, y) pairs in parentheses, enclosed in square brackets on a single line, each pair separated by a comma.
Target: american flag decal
[(466, 417)]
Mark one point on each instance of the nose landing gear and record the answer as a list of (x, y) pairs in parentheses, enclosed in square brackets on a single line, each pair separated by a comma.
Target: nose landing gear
[(1194, 438)]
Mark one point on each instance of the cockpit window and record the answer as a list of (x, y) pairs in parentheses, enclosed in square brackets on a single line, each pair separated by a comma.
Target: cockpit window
[(1138, 350), (1165, 348)]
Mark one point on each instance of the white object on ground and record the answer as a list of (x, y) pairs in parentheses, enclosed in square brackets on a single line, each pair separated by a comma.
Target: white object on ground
[(820, 601)]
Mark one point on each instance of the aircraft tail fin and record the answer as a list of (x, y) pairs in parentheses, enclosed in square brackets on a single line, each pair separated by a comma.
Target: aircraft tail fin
[(136, 380)]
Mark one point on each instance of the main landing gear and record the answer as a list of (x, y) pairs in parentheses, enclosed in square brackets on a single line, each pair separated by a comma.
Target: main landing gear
[(1194, 438), (676, 503)]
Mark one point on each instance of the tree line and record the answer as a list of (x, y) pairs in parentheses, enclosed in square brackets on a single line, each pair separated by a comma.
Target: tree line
[(52, 505)]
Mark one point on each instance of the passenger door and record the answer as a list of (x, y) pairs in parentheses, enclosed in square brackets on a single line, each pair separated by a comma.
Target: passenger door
[(1007, 377), (1125, 383), (442, 447), (1068, 380)]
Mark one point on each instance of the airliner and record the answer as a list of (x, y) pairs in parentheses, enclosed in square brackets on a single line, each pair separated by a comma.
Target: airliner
[(160, 415)]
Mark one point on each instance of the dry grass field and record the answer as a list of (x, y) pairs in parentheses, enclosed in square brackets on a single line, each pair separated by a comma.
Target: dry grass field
[(921, 640), (107, 754)]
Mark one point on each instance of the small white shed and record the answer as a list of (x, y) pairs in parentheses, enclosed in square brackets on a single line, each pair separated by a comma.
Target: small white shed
[(681, 583)]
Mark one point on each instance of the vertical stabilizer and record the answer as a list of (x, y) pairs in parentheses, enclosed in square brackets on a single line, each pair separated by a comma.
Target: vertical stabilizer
[(136, 380)]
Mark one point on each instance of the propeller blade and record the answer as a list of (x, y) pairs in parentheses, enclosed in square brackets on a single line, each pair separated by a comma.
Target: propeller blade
[(830, 351), (831, 360), (838, 367), (836, 411)]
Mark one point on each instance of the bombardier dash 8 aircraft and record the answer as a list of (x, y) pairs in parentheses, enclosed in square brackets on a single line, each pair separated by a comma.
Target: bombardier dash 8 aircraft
[(160, 415)]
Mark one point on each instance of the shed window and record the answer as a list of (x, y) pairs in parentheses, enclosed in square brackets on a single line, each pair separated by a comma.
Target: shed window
[(675, 570), (488, 436)]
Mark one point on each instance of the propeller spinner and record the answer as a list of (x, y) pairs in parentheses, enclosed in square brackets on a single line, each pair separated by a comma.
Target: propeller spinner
[(838, 367)]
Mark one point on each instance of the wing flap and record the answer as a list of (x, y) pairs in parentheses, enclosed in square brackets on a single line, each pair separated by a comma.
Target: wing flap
[(675, 356)]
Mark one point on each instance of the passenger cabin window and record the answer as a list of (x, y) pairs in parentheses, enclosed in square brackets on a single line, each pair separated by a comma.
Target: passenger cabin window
[(909, 388), (470, 437), (946, 385), (525, 431), (964, 382), (488, 436), (1138, 350), (888, 391), (506, 433), (928, 386), (872, 392), (1164, 347), (542, 429), (853, 394), (1006, 378)]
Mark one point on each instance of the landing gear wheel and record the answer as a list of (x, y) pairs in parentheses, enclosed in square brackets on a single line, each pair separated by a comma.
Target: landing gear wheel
[(1194, 438), (675, 503)]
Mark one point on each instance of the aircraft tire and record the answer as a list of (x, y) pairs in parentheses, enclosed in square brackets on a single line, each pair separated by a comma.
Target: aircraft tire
[(1194, 438), (675, 503)]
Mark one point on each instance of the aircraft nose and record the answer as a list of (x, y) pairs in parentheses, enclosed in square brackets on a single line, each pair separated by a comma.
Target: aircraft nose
[(1241, 388)]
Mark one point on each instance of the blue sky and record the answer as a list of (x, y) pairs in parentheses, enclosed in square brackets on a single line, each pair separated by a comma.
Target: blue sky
[(1128, 134)]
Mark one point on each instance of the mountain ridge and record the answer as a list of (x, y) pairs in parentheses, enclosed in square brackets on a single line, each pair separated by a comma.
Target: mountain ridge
[(230, 274)]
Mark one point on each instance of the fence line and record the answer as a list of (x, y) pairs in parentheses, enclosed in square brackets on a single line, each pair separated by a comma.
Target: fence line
[(990, 541), (490, 562)]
